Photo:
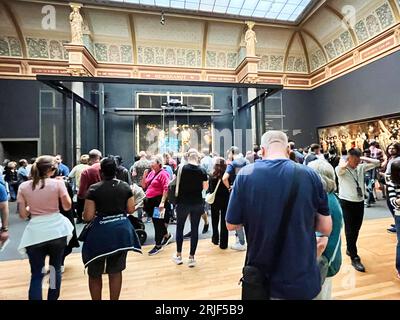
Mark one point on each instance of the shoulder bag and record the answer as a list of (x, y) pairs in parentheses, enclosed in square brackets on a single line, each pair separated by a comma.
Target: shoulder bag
[(210, 197), (173, 187)]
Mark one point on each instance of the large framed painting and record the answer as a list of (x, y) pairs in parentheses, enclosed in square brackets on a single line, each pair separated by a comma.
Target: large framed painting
[(360, 133)]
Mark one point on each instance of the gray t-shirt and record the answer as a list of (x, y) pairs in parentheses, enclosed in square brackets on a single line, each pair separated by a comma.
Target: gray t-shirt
[(347, 180)]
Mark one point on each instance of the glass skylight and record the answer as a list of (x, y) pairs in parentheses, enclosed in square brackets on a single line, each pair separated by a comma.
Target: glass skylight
[(280, 10)]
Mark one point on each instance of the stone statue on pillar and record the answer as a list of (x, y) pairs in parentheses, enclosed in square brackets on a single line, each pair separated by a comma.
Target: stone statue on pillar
[(251, 40), (76, 21)]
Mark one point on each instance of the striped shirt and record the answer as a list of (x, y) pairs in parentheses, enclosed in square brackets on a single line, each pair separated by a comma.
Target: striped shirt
[(394, 194)]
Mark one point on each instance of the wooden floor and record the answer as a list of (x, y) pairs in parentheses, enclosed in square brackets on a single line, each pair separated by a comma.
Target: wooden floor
[(216, 274)]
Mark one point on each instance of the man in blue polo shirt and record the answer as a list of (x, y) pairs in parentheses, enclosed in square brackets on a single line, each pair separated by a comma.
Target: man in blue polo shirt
[(63, 170), (259, 196)]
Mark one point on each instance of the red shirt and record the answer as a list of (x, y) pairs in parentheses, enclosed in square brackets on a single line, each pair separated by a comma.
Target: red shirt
[(89, 176)]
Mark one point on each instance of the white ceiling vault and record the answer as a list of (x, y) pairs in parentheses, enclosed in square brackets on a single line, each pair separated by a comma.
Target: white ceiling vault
[(117, 33)]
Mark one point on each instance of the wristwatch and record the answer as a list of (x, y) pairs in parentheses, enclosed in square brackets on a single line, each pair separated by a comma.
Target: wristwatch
[(4, 229)]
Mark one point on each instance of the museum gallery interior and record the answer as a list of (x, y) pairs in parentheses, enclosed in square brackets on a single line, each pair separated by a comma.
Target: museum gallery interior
[(161, 76)]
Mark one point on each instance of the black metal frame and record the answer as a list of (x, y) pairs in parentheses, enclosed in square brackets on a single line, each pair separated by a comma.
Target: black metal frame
[(60, 79), (58, 83)]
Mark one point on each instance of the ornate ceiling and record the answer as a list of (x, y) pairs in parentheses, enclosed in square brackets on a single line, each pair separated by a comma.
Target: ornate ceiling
[(125, 36)]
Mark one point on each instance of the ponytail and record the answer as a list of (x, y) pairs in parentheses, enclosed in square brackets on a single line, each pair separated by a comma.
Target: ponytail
[(40, 169), (35, 176)]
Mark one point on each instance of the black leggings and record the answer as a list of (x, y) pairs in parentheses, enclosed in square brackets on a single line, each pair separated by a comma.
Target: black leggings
[(217, 210), (160, 229), (182, 212)]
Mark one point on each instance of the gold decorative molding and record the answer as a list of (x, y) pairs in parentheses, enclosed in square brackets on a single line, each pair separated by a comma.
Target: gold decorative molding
[(343, 20), (395, 9), (356, 56), (397, 35), (12, 17), (204, 46), (303, 44), (288, 50), (81, 62), (132, 31), (316, 41)]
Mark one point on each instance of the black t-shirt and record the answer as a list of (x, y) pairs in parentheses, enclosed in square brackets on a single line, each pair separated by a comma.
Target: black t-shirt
[(191, 185), (110, 196)]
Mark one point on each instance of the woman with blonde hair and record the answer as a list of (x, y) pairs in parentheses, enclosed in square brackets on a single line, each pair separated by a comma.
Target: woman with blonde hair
[(155, 184), (331, 255), (48, 231)]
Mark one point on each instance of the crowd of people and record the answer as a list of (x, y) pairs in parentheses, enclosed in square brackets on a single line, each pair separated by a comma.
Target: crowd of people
[(252, 194)]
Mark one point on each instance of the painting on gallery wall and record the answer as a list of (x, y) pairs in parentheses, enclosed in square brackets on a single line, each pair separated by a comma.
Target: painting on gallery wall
[(343, 137)]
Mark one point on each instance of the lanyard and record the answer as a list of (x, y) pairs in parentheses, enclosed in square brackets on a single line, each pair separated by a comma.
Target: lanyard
[(358, 185)]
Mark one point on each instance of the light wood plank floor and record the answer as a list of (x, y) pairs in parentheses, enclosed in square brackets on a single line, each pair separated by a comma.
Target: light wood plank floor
[(216, 274)]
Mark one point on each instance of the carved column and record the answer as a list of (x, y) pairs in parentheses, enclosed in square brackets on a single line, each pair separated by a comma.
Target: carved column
[(247, 71), (81, 61)]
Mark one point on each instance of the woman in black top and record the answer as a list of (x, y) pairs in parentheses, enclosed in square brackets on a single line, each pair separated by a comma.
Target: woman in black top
[(190, 201), (220, 205), (109, 197)]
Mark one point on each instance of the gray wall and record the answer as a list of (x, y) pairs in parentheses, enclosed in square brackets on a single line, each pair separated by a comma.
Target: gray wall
[(298, 108), (19, 109), (371, 91)]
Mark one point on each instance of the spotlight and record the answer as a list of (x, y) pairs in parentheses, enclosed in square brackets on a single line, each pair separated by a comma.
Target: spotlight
[(162, 20)]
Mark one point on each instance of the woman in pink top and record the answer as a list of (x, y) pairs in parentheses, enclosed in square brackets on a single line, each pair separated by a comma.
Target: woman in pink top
[(155, 184), (48, 231)]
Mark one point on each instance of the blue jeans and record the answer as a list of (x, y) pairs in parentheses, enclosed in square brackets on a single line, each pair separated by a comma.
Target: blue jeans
[(13, 191), (240, 236), (397, 221), (37, 255)]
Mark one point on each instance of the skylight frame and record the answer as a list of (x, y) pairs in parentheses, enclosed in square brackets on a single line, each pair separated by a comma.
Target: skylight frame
[(275, 11)]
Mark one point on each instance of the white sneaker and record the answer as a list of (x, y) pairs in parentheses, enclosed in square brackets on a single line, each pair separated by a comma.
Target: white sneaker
[(239, 247), (177, 260), (191, 263)]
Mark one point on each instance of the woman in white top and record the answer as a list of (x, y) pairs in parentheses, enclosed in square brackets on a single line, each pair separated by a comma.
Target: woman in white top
[(48, 231)]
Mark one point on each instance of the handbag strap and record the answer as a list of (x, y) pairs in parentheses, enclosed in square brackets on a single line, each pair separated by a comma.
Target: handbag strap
[(284, 224), (216, 188), (178, 180), (148, 185)]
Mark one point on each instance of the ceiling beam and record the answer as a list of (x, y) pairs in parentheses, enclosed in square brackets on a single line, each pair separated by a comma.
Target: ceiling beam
[(312, 12), (288, 50), (10, 14), (204, 47), (342, 19), (317, 42), (132, 31), (303, 43), (395, 10)]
